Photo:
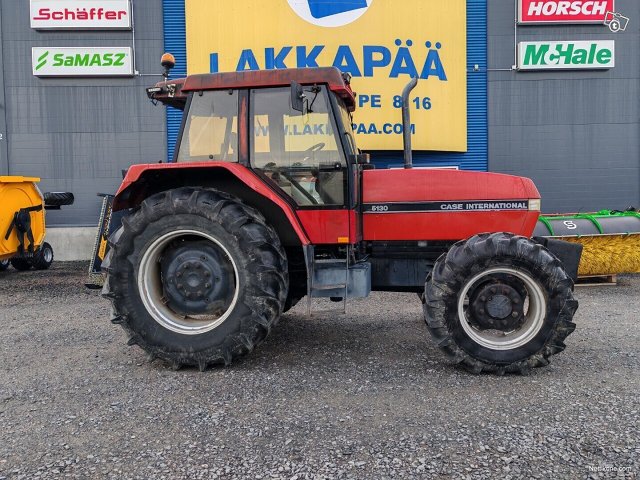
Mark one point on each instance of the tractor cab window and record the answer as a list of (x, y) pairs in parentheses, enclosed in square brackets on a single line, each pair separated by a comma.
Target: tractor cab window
[(211, 128), (299, 152)]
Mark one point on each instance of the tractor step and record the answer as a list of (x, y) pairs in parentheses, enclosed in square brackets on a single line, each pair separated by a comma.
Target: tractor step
[(335, 277), (330, 261), (353, 281), (330, 287)]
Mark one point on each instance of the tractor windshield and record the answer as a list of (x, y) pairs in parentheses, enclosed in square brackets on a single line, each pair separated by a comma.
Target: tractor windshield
[(300, 153)]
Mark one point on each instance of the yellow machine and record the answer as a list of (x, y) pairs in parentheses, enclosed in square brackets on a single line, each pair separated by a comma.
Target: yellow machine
[(610, 239), (22, 224)]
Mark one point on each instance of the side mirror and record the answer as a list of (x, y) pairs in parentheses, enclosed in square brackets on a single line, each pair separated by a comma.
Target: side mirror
[(360, 159), (297, 97)]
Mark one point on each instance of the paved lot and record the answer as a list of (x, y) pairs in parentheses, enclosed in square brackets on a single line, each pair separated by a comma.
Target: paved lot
[(366, 396)]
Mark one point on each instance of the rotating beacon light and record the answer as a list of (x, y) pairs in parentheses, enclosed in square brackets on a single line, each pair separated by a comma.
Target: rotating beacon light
[(168, 61)]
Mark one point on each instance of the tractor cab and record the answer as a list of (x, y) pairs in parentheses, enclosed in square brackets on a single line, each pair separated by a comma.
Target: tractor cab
[(291, 127), (299, 153)]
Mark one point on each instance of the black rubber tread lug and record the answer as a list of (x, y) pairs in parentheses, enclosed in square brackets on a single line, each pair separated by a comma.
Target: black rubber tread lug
[(202, 364), (227, 357), (58, 199)]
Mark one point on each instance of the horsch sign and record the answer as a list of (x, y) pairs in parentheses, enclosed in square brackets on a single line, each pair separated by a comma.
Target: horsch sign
[(80, 14), (564, 11)]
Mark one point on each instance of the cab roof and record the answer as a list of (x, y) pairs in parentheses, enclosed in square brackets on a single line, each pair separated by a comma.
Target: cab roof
[(330, 76)]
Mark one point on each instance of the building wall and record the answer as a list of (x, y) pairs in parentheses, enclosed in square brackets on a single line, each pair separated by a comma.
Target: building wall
[(576, 134), (77, 134)]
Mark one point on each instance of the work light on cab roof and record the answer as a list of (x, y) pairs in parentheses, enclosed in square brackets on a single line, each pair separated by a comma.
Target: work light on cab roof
[(168, 61)]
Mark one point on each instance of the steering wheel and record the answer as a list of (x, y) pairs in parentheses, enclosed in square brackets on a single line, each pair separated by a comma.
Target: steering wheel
[(316, 147), (313, 148)]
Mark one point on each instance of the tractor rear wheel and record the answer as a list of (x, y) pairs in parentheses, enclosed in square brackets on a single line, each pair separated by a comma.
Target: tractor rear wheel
[(499, 303), (196, 277)]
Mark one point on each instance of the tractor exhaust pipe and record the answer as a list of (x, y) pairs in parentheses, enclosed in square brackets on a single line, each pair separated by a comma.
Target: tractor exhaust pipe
[(406, 123)]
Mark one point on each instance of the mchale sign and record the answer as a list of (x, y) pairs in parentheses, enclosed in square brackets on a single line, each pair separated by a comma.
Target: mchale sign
[(564, 11), (81, 14), (572, 55)]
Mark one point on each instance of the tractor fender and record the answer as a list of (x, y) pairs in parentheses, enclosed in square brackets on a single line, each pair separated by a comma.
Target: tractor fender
[(144, 180)]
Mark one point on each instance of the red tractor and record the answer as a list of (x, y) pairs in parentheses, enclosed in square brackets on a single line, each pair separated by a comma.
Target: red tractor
[(269, 200)]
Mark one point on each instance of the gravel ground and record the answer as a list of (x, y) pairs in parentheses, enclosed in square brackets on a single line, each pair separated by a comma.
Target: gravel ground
[(361, 396)]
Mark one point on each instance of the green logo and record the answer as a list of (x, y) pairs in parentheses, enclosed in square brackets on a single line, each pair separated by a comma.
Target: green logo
[(568, 55), (42, 60)]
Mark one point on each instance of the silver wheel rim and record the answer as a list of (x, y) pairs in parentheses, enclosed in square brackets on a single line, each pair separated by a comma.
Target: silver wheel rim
[(496, 339), (151, 290), (47, 255)]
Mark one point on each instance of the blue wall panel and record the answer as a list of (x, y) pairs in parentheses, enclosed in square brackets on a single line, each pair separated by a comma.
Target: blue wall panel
[(175, 43), (476, 156)]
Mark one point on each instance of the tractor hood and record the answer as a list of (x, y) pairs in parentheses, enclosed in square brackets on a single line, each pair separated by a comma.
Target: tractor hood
[(439, 204)]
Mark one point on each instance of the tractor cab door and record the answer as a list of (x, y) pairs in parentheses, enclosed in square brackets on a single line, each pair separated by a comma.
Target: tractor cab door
[(302, 156)]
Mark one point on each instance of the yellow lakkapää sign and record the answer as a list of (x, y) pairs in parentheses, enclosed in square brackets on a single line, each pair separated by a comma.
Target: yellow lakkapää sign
[(381, 43)]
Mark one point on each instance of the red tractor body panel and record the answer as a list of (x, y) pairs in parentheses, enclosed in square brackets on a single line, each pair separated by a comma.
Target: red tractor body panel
[(311, 225), (273, 78), (398, 205), (174, 92), (329, 227), (124, 199), (424, 204)]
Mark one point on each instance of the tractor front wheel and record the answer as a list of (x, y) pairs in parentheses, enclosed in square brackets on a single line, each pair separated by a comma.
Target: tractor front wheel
[(4, 264), (499, 303), (196, 277)]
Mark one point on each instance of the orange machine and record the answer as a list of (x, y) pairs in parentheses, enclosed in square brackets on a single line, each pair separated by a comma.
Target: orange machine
[(22, 224)]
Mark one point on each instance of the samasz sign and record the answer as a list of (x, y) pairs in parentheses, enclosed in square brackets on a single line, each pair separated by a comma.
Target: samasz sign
[(563, 11), (80, 14), (82, 62), (566, 55)]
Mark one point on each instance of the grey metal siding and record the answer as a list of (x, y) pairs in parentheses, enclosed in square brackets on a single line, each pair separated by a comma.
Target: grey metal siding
[(4, 153), (77, 134), (576, 134)]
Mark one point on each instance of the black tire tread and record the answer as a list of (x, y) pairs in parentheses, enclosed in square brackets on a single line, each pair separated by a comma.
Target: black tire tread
[(38, 261), (21, 264), (58, 199), (268, 263), (444, 279)]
